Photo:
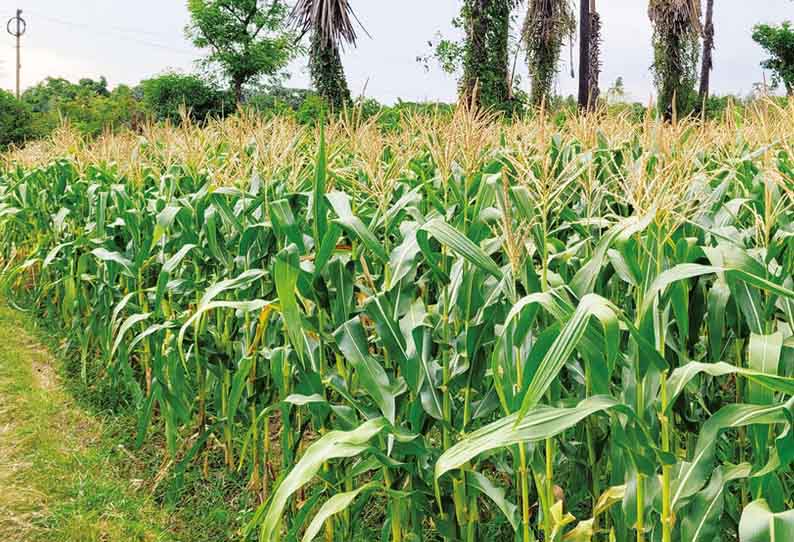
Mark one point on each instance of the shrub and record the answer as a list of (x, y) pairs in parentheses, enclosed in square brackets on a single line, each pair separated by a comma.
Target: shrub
[(16, 121), (166, 95)]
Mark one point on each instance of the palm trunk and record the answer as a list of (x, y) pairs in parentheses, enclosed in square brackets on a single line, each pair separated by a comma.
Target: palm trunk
[(708, 48), (238, 92), (595, 54), (486, 79), (584, 55), (328, 74)]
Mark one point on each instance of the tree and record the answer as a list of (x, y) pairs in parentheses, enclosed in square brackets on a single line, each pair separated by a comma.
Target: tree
[(676, 43), (486, 79), (482, 57), (16, 120), (708, 47), (167, 95), (51, 93), (330, 23), (547, 24), (246, 38), (778, 41)]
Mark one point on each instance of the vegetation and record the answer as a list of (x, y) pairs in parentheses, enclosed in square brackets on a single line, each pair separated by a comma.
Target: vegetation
[(486, 80), (247, 39), (330, 24), (63, 476), (16, 120), (170, 95), (432, 333), (547, 24), (778, 41), (676, 35)]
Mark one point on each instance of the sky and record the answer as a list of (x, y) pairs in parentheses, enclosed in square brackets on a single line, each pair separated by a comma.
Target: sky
[(127, 41)]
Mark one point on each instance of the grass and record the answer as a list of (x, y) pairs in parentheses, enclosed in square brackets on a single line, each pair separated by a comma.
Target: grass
[(68, 470), (60, 472)]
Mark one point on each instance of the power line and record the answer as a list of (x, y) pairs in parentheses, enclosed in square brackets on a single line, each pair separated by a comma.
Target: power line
[(127, 29), (118, 34)]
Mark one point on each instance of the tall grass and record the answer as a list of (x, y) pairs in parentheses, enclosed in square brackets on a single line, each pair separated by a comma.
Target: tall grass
[(464, 329)]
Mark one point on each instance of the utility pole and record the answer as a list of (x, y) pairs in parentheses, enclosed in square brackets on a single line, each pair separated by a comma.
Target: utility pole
[(18, 32)]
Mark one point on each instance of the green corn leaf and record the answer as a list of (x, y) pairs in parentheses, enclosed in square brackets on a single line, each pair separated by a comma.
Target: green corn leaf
[(380, 309), (352, 341), (565, 344), (285, 275), (125, 327), (584, 281), (681, 376), (332, 506), (701, 521), (242, 306), (461, 245), (694, 474), (111, 256), (403, 258), (717, 303), (760, 524), (540, 423), (239, 380), (763, 356), (340, 202), (333, 445), (482, 484)]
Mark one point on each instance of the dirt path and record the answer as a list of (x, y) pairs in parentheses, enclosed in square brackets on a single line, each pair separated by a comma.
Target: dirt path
[(59, 472)]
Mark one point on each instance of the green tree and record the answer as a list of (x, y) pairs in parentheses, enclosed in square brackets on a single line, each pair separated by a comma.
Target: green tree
[(330, 25), (16, 121), (166, 96), (53, 92), (676, 44), (246, 39), (547, 25), (778, 41)]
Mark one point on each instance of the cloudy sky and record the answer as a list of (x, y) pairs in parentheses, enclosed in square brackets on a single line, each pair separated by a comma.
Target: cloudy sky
[(130, 40)]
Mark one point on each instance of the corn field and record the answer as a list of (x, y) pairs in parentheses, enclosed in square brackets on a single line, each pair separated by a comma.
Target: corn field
[(573, 330)]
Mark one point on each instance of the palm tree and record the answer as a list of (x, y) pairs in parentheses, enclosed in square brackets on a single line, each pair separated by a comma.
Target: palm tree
[(548, 22), (676, 41), (331, 24), (708, 47)]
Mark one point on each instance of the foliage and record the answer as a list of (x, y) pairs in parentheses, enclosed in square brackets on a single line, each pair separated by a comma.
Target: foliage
[(676, 44), (584, 331), (247, 39), (51, 93), (486, 77), (168, 95), (547, 24), (330, 25), (88, 105), (15, 119), (778, 41)]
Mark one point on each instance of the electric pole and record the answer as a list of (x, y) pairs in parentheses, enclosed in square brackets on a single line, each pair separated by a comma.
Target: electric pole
[(16, 27)]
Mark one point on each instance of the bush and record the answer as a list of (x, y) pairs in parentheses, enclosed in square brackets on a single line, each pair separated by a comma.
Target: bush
[(87, 105), (16, 121), (165, 96)]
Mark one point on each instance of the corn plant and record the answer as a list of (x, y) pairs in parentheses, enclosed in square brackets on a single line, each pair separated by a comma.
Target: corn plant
[(460, 330)]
